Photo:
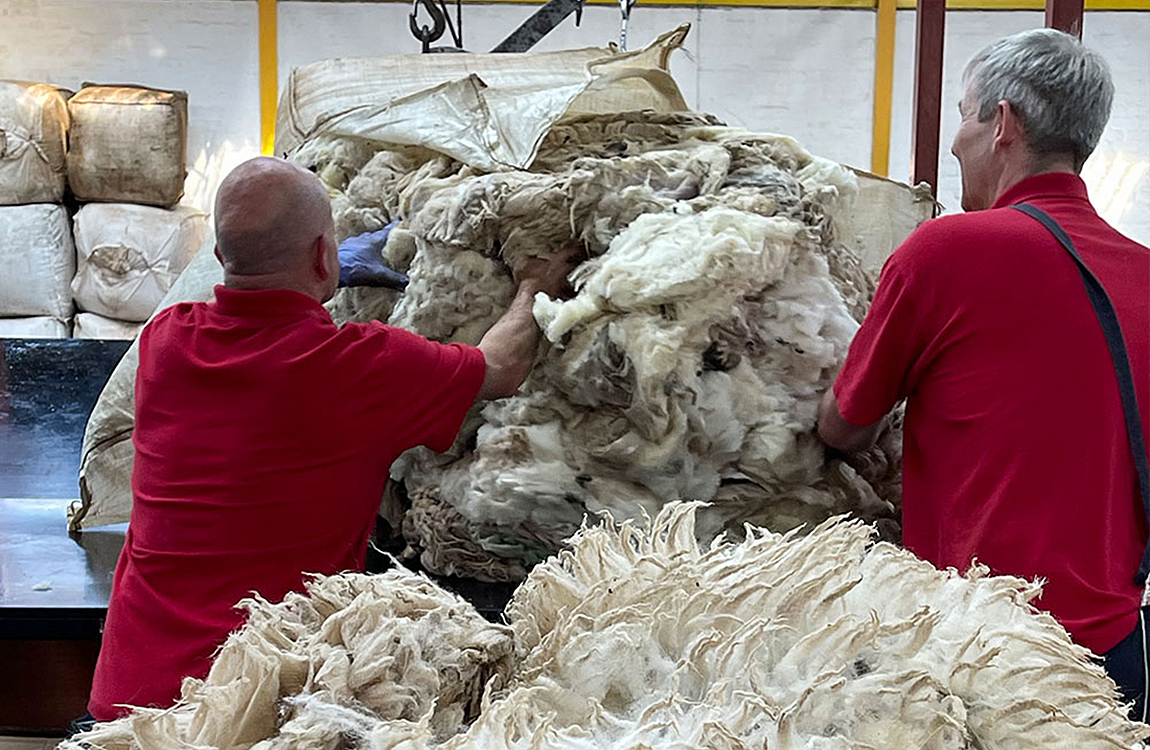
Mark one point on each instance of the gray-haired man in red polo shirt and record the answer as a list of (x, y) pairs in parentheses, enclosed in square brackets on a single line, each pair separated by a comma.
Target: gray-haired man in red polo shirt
[(1015, 447)]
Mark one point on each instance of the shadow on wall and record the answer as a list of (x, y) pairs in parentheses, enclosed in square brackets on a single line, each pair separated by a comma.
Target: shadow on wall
[(208, 168), (1113, 179)]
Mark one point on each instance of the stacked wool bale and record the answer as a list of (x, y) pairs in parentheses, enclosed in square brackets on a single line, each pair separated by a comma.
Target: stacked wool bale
[(120, 149), (717, 302), (37, 259), (641, 638), (126, 161)]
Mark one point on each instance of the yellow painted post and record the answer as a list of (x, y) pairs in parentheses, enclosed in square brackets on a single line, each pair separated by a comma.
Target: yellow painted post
[(883, 87), (269, 74)]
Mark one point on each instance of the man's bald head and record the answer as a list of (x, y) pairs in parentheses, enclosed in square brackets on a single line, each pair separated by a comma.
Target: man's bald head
[(269, 214)]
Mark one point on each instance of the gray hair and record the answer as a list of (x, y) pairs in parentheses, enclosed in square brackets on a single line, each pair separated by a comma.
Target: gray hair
[(1060, 89)]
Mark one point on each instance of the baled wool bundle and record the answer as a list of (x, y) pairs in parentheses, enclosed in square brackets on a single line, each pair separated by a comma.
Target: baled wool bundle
[(34, 327), (714, 307), (128, 256), (92, 326), (33, 143), (37, 261), (636, 638), (128, 144)]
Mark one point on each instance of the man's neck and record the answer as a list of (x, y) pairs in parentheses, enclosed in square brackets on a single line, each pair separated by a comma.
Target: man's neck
[(269, 281), (1016, 172)]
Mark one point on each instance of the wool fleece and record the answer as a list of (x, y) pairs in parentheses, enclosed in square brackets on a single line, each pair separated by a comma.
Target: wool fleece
[(639, 637), (716, 301)]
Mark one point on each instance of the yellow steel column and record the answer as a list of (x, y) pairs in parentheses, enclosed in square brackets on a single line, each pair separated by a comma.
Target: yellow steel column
[(883, 86), (269, 74)]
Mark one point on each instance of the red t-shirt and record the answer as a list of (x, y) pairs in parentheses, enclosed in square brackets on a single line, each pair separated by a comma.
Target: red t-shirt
[(263, 439), (1015, 449)]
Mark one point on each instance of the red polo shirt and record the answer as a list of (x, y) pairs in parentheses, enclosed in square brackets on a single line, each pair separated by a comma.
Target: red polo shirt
[(263, 439), (1015, 449)]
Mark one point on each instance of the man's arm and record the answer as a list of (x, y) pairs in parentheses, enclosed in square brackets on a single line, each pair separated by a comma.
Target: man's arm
[(885, 358), (509, 346), (840, 434)]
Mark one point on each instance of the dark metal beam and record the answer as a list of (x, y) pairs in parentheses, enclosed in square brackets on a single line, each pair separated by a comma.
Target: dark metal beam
[(540, 25), (930, 26), (1065, 15)]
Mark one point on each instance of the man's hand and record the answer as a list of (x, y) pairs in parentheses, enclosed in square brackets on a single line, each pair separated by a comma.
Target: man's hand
[(549, 275), (361, 261), (509, 346)]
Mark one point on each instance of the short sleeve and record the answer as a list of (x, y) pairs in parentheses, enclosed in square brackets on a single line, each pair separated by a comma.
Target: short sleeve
[(885, 355), (420, 390)]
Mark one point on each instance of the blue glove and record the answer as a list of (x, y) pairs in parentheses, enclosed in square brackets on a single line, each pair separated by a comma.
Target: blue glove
[(361, 261)]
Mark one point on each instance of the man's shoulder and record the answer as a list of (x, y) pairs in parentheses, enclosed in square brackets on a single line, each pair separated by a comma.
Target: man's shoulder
[(953, 230), (374, 339), (170, 320), (379, 332), (403, 354), (958, 239), (372, 333)]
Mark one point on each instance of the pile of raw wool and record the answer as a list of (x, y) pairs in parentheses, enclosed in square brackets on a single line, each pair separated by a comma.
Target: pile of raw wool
[(716, 303), (641, 638)]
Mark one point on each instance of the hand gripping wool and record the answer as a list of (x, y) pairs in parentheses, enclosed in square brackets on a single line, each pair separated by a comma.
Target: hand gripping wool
[(715, 304), (637, 638)]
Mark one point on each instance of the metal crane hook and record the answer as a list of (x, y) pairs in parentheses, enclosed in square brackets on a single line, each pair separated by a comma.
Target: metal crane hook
[(427, 34)]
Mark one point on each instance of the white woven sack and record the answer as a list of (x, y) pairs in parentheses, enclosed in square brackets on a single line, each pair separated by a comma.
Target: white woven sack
[(93, 326), (486, 110), (885, 213), (33, 142), (128, 256), (40, 327), (106, 454), (37, 261)]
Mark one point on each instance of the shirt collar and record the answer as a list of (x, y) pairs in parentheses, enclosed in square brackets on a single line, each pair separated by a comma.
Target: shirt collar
[(268, 303), (1049, 185)]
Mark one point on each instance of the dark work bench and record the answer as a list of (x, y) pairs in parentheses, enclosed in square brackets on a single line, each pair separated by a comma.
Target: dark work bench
[(47, 391), (53, 587), (53, 584)]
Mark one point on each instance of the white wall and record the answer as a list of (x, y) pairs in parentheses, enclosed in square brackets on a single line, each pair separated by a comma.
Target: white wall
[(806, 72), (1119, 171)]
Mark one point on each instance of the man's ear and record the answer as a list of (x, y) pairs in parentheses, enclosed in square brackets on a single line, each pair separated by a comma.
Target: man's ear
[(219, 255), (319, 258), (1007, 125)]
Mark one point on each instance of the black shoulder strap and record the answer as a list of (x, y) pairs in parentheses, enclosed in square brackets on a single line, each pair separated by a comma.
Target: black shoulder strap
[(1114, 341)]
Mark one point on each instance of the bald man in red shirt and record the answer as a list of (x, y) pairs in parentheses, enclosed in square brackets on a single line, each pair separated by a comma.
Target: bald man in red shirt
[(1015, 446), (264, 433)]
